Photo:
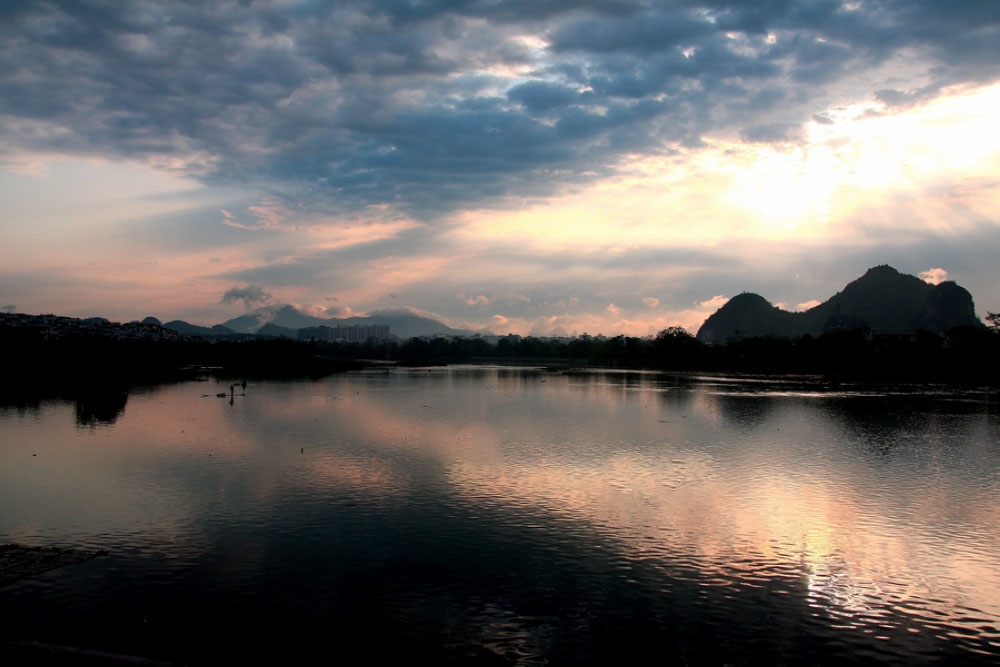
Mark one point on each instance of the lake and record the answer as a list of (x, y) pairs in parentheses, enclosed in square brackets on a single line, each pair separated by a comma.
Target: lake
[(511, 516)]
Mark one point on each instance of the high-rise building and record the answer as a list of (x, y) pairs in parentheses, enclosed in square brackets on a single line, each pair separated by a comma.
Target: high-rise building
[(350, 334)]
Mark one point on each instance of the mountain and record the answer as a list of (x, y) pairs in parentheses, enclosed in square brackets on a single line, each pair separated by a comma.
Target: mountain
[(287, 316), (883, 299), (748, 315), (272, 329), (246, 323), (185, 329), (403, 322)]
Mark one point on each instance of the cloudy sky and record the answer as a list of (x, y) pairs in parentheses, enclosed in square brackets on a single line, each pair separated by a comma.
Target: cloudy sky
[(612, 166)]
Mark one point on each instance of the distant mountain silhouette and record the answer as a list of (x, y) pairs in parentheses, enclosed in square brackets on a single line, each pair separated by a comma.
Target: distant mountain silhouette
[(272, 329), (185, 329), (403, 322), (883, 299), (283, 316)]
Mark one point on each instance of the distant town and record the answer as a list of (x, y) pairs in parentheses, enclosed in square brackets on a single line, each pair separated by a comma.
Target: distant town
[(349, 334), (48, 327)]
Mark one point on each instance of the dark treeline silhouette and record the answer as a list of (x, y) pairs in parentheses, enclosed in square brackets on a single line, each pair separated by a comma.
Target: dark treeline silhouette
[(964, 354), (78, 366), (98, 371)]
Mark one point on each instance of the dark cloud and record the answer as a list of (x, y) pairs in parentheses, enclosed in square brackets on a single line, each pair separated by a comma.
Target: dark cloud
[(767, 133), (251, 295), (542, 95), (407, 105), (899, 99), (649, 31), (9, 308)]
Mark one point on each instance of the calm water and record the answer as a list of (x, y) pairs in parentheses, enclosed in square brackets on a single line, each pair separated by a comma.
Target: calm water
[(511, 515)]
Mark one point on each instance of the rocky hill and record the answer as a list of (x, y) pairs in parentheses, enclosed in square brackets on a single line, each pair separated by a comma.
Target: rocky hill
[(883, 300), (403, 322)]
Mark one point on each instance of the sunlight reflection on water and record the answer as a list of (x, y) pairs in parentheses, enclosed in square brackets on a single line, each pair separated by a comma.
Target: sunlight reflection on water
[(530, 515)]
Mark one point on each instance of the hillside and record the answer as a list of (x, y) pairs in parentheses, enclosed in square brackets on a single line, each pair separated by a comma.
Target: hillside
[(403, 322), (883, 300), (186, 329)]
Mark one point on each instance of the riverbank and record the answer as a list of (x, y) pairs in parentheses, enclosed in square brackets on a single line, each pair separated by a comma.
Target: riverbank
[(94, 369)]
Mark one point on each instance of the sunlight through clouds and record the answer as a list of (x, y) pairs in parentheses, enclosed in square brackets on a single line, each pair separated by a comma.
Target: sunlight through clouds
[(644, 155), (775, 192)]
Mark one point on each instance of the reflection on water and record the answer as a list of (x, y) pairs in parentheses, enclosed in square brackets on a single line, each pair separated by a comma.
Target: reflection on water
[(516, 515), (95, 405), (101, 407)]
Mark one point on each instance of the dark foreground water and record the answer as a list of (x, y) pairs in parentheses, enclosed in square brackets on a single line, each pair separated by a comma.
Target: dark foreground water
[(513, 516)]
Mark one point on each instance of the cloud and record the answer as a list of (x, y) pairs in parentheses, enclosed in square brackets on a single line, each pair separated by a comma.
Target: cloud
[(493, 297), (339, 312), (551, 157), (478, 300), (806, 305), (606, 322), (428, 108), (716, 302), (251, 295), (650, 301), (933, 276), (267, 214), (768, 133), (9, 308), (312, 311), (543, 96), (230, 220)]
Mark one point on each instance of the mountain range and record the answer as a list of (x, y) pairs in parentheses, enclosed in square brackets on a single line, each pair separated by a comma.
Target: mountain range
[(286, 320), (883, 300)]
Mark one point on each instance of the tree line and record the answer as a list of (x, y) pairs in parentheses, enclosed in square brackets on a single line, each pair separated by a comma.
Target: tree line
[(963, 354), (967, 354)]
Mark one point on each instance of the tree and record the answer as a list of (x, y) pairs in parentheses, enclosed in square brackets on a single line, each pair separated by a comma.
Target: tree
[(675, 333), (677, 348), (993, 322)]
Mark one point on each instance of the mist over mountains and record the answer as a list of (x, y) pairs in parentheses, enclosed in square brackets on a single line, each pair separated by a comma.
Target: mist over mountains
[(883, 300), (286, 320)]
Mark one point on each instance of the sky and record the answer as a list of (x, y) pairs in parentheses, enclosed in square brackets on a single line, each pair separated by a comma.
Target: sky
[(523, 166)]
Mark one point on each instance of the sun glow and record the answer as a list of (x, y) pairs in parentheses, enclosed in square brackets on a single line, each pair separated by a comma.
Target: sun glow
[(858, 158)]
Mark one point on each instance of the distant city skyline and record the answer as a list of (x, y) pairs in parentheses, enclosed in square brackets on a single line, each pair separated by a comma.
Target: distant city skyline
[(531, 168)]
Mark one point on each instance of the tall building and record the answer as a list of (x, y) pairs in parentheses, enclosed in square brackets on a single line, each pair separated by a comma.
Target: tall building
[(351, 334)]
